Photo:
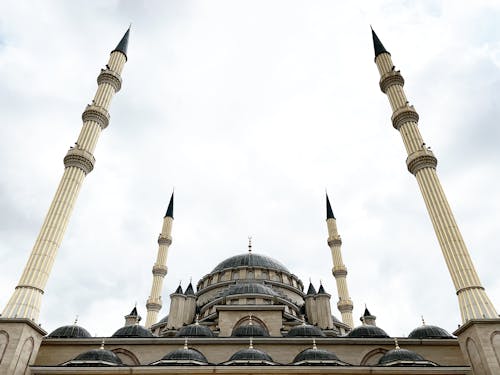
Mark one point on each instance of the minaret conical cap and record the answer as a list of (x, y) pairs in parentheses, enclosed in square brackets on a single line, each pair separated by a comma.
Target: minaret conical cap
[(170, 209), (123, 44), (189, 290), (329, 212), (311, 290), (377, 45)]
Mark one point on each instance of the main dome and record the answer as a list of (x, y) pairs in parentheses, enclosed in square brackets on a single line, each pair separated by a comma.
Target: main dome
[(250, 260)]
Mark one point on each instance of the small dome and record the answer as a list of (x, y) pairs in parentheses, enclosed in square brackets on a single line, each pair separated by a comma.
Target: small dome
[(250, 356), (195, 330), (250, 330), (403, 357), (69, 332), (96, 357), (314, 356), (185, 356), (250, 260), (305, 330), (250, 288), (134, 330), (429, 332), (367, 331)]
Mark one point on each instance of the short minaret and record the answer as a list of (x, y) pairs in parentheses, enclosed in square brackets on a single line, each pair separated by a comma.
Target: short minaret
[(154, 304), (177, 306), (132, 318), (323, 308), (189, 304), (79, 161), (473, 301), (368, 318), (339, 270), (310, 304)]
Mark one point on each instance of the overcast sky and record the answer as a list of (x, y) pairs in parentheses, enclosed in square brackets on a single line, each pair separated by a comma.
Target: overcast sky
[(250, 109)]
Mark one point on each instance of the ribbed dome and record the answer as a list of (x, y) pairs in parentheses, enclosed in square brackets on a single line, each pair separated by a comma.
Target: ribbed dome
[(429, 332), (96, 357), (250, 330), (403, 357), (314, 356), (250, 288), (305, 330), (194, 330), (71, 331), (250, 356), (185, 356), (367, 331), (134, 330), (250, 260)]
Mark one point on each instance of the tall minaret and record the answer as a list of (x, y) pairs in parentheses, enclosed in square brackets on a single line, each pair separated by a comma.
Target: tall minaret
[(154, 304), (421, 162), (339, 269), (79, 161)]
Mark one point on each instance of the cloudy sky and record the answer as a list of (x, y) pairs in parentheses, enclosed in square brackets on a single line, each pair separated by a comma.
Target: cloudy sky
[(250, 109)]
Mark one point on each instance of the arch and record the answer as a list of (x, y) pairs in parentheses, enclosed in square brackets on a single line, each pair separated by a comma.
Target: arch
[(255, 320), (4, 341), (495, 343), (475, 357), (372, 357), (127, 357), (24, 358)]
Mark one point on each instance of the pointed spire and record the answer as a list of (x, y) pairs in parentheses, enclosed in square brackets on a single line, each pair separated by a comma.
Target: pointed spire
[(123, 44), (329, 212), (321, 290), (133, 312), (179, 289), (170, 209), (377, 44), (311, 290), (189, 290), (367, 312)]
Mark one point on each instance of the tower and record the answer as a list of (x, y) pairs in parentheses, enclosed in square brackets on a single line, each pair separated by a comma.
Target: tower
[(339, 270), (79, 161), (160, 269), (18, 330), (473, 301)]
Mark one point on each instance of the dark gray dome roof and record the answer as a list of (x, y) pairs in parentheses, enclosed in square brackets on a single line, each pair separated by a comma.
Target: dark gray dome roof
[(184, 356), (194, 330), (305, 330), (96, 357), (250, 330), (314, 356), (71, 331), (134, 330), (367, 331), (403, 357), (250, 288), (250, 356), (250, 260), (429, 332)]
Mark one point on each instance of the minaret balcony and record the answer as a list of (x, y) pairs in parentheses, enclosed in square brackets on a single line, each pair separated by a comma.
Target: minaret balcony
[(390, 79)]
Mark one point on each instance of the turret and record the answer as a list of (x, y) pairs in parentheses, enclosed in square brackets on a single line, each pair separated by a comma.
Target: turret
[(339, 270), (310, 304), (154, 302), (368, 318), (323, 309), (132, 318), (176, 316), (190, 304)]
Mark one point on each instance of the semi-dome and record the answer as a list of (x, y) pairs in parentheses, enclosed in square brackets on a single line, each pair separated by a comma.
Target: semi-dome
[(134, 330), (250, 288), (317, 357), (250, 356), (250, 330), (194, 330), (185, 356), (69, 332), (429, 332), (250, 260), (367, 331), (305, 330), (403, 357), (96, 357)]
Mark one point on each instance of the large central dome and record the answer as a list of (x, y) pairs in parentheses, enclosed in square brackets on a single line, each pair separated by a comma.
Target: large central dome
[(250, 260)]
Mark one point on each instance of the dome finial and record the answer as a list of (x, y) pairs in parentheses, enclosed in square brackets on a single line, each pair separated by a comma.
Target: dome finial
[(102, 345), (314, 345), (76, 319), (250, 244), (250, 322), (197, 319), (186, 343), (251, 343), (423, 321), (396, 343)]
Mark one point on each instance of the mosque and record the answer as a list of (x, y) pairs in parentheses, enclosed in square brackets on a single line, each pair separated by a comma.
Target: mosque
[(249, 314)]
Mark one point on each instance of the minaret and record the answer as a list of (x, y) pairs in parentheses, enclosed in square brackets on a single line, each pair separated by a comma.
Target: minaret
[(339, 269), (421, 162), (79, 161), (154, 303)]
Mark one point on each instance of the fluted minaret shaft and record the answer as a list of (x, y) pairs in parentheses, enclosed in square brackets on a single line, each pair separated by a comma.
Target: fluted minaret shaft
[(79, 161), (339, 269), (473, 301), (154, 303)]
